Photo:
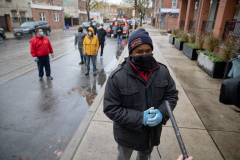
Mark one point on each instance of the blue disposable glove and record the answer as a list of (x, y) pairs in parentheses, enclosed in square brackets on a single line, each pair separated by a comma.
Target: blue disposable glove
[(52, 55), (36, 59), (151, 122), (147, 115), (75, 47), (105, 43)]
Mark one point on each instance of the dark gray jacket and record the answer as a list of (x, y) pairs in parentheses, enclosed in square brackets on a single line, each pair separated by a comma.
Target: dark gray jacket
[(127, 96), (79, 37)]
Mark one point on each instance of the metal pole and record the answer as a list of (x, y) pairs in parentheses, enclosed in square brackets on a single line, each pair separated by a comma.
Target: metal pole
[(177, 132), (135, 6), (63, 18)]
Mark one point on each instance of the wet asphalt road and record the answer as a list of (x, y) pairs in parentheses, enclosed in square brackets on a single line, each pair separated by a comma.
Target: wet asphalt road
[(38, 119)]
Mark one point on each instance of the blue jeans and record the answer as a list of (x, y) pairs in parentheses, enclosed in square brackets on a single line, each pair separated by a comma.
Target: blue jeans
[(93, 62), (119, 38), (44, 61)]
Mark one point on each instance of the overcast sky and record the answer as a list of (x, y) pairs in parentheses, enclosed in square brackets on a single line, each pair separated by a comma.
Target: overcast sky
[(115, 1)]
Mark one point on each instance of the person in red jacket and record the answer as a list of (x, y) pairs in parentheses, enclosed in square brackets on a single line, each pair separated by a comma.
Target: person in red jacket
[(40, 48)]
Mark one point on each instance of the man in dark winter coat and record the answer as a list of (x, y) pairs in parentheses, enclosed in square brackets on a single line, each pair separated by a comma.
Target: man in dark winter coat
[(135, 97), (79, 37), (102, 36), (94, 28)]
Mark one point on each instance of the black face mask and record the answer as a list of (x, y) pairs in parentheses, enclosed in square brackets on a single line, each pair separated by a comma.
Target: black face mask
[(80, 30), (143, 63)]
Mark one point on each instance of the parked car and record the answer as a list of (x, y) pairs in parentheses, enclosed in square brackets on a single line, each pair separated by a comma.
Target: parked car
[(28, 28), (149, 21), (125, 33), (99, 21), (2, 35), (86, 25), (95, 23), (109, 31)]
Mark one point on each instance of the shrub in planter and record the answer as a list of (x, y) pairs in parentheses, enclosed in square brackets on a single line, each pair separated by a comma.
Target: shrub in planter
[(190, 50), (201, 40), (180, 41), (172, 37), (211, 63)]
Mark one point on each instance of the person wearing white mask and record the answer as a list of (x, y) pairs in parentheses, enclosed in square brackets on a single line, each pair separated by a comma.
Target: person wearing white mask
[(102, 37), (40, 47), (90, 49)]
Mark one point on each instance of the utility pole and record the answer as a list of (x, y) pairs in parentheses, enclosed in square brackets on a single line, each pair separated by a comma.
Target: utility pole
[(135, 6)]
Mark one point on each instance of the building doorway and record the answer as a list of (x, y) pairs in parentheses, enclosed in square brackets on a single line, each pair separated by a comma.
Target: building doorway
[(8, 21), (163, 21)]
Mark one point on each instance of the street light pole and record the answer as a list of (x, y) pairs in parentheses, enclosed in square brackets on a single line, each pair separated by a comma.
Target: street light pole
[(135, 6)]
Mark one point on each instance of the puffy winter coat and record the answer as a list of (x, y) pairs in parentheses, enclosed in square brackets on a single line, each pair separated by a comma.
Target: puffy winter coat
[(90, 44), (40, 46), (79, 37), (128, 95)]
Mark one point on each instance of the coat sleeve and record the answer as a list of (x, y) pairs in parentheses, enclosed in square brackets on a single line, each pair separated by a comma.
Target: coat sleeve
[(171, 95), (75, 43), (129, 118), (50, 47), (84, 44), (33, 48), (97, 44)]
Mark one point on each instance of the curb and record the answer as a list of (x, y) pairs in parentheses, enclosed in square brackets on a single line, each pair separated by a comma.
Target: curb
[(76, 140)]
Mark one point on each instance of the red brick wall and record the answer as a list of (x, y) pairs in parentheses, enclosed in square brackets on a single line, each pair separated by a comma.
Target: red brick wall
[(190, 13), (182, 12), (225, 12), (82, 5), (170, 22), (49, 17), (168, 3), (203, 14), (84, 18)]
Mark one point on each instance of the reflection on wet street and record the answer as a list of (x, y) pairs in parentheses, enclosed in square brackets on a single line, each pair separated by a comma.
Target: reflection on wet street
[(38, 119)]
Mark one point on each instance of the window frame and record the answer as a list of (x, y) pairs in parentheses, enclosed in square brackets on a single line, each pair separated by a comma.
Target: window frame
[(82, 18), (52, 2), (174, 2), (42, 16), (56, 17), (43, 1), (111, 10)]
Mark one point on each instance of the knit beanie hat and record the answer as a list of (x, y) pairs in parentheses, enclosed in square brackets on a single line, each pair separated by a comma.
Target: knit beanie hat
[(138, 38)]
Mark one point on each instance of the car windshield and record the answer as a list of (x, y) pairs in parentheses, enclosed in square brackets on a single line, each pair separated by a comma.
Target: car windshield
[(27, 24), (86, 23)]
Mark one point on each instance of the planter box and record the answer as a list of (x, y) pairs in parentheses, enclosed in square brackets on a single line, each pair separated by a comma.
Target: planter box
[(171, 40), (190, 52), (213, 69), (178, 44)]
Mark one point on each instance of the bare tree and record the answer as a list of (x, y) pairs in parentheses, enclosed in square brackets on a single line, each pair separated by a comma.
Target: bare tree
[(92, 4)]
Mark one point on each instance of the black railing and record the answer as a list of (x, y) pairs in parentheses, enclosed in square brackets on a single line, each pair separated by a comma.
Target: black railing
[(182, 24), (21, 20), (231, 30), (192, 25), (207, 27), (75, 21), (3, 23)]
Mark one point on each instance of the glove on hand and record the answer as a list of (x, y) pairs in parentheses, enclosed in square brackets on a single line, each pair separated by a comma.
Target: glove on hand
[(147, 115), (36, 59), (105, 43), (75, 47), (52, 55), (152, 122), (96, 53), (84, 53)]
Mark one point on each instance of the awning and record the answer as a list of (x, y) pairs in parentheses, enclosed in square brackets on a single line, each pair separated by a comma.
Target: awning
[(169, 10)]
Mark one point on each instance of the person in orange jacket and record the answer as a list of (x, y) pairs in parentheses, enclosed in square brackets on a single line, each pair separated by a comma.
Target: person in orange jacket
[(40, 48)]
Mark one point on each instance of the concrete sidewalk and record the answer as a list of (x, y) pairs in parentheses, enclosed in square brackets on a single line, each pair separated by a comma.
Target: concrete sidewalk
[(94, 137)]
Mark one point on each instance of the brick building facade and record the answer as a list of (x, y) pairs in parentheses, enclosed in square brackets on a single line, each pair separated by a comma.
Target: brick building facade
[(48, 10), (167, 12), (113, 12), (210, 16), (82, 11)]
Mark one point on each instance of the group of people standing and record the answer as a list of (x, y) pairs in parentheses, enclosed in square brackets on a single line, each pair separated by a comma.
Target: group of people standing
[(89, 44)]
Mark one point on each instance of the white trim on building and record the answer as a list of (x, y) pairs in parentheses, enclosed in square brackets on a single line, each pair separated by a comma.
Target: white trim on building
[(47, 7), (82, 12)]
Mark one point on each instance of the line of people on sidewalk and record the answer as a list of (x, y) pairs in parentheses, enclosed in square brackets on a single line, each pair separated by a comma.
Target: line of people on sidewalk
[(89, 44)]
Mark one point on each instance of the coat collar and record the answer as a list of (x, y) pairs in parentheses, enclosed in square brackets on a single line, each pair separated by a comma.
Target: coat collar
[(130, 70)]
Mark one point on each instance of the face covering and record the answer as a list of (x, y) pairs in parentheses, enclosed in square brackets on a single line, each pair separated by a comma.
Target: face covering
[(101, 27), (90, 33), (41, 33), (80, 30), (143, 63)]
